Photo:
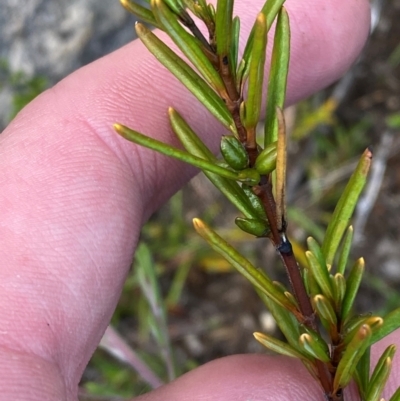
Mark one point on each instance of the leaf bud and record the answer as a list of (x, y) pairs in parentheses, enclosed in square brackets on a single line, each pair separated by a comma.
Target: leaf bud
[(234, 152), (256, 227), (266, 160)]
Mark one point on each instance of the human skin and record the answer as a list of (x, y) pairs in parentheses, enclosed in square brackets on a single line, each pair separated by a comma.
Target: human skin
[(74, 196)]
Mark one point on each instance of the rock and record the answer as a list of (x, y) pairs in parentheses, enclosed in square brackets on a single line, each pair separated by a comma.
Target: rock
[(52, 38)]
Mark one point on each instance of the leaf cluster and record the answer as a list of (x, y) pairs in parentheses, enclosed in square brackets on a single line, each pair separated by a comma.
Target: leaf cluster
[(315, 314)]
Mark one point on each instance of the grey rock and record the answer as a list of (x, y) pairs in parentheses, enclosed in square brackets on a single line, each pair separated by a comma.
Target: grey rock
[(55, 37)]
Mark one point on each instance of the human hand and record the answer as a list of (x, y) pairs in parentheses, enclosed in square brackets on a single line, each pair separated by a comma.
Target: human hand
[(74, 195)]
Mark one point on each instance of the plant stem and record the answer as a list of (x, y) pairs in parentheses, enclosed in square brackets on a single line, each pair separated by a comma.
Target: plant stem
[(283, 246)]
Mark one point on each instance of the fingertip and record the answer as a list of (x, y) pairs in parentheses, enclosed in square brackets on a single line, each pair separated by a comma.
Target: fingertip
[(242, 377)]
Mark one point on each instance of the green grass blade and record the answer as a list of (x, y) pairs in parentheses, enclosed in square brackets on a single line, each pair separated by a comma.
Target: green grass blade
[(151, 290), (194, 145), (223, 27), (353, 353), (140, 12), (252, 274), (391, 322), (179, 154), (190, 46), (185, 74), (252, 105), (277, 76), (345, 207), (353, 283), (345, 252)]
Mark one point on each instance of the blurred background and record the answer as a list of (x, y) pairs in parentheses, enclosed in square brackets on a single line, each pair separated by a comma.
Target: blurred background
[(182, 305)]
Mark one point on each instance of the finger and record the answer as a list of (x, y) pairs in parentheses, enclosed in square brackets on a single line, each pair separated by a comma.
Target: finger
[(74, 195)]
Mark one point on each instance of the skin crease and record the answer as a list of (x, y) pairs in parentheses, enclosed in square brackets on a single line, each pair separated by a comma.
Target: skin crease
[(74, 195)]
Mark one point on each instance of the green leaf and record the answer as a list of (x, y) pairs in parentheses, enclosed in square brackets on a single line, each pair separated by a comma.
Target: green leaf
[(380, 374), (345, 252), (234, 152), (320, 274), (252, 103), (285, 320), (325, 311), (352, 354), (235, 45), (352, 328), (338, 283), (344, 208), (256, 227), (352, 285), (396, 395), (179, 154), (194, 145), (277, 346), (189, 78), (190, 46), (270, 10), (140, 12), (242, 265), (361, 375), (255, 202), (266, 160), (277, 76), (313, 348), (391, 322), (223, 27)]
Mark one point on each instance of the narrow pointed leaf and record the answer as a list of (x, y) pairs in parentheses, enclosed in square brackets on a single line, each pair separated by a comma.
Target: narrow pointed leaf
[(176, 153), (325, 311), (285, 320), (353, 353), (345, 252), (345, 207), (316, 250), (194, 145), (235, 45), (313, 348), (280, 182), (396, 395), (277, 346), (391, 322), (352, 284), (223, 27), (270, 10), (256, 78), (374, 322), (361, 375), (254, 275), (339, 289), (190, 46), (277, 76), (189, 78), (140, 12), (320, 274), (380, 374)]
